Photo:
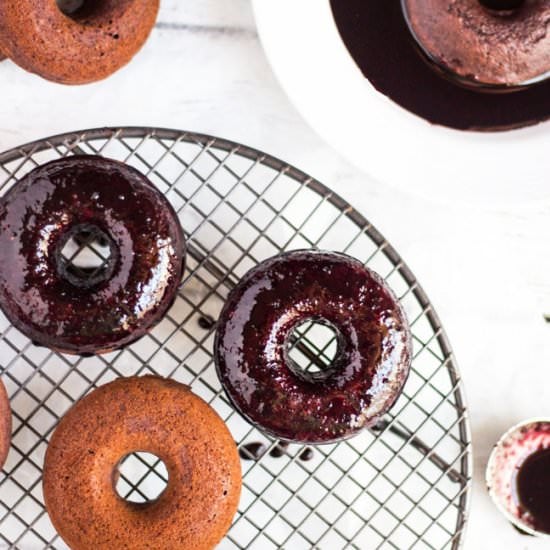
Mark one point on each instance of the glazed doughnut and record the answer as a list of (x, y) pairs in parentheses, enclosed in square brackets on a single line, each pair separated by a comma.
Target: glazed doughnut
[(5, 424), (147, 414), (494, 47), (89, 45), (265, 384), (84, 311)]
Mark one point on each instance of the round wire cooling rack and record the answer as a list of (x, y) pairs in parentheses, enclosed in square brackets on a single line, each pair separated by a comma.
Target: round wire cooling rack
[(403, 484)]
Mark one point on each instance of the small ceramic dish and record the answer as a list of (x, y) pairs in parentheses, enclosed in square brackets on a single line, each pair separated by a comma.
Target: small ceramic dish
[(511, 452)]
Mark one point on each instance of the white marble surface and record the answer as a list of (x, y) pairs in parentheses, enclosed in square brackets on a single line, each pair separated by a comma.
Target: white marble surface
[(486, 270)]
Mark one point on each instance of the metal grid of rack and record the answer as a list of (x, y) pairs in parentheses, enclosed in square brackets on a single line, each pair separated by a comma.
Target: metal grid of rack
[(403, 484)]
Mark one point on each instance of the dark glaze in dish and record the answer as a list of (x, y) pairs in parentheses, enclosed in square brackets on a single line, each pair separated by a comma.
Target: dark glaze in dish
[(378, 39), (54, 202), (533, 488), (265, 385)]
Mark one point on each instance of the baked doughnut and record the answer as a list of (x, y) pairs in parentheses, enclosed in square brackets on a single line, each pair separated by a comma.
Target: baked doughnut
[(265, 384), (87, 311), (148, 414), (88, 45), (502, 43), (5, 424)]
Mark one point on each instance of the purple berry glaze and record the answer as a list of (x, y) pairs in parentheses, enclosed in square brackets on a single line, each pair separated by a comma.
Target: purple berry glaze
[(533, 488), (79, 195), (266, 386)]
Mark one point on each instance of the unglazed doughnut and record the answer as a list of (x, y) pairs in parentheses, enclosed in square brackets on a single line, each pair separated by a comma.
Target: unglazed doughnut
[(73, 311), (5, 424), (88, 45), (148, 414), (495, 47), (264, 383)]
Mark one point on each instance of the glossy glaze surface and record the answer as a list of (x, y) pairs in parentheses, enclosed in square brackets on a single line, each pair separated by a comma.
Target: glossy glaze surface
[(36, 217), (262, 381), (149, 414), (252, 451)]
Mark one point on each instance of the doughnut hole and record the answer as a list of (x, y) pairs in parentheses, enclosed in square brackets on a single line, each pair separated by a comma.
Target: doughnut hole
[(87, 256), (313, 347), (78, 9), (501, 5), (140, 478)]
